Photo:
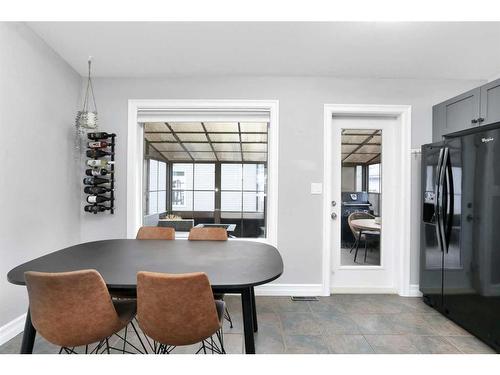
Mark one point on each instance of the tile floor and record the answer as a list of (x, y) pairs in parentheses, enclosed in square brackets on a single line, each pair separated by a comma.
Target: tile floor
[(336, 324)]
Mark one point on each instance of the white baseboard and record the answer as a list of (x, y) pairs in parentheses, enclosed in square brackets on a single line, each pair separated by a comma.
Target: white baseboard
[(414, 291), (302, 290), (308, 290), (12, 329), (362, 290)]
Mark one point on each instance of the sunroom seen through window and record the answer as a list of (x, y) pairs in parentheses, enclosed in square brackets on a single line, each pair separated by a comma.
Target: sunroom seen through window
[(215, 174)]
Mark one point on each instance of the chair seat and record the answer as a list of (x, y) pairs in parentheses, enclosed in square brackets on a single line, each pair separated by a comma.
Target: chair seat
[(220, 306), (126, 309)]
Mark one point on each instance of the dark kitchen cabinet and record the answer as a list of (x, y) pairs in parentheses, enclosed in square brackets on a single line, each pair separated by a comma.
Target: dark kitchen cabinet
[(480, 106), (458, 113), (490, 102)]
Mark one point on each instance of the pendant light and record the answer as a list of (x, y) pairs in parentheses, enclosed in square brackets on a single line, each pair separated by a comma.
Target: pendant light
[(86, 118)]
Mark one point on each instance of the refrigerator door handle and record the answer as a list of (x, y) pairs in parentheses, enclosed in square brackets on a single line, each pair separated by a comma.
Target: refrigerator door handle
[(441, 208), (437, 206), (450, 200)]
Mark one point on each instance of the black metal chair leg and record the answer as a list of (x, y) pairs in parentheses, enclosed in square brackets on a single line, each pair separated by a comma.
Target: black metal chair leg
[(139, 337), (125, 339), (353, 245), (227, 316), (366, 240), (220, 336)]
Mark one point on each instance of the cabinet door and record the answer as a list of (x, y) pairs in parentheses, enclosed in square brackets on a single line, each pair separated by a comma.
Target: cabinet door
[(458, 113), (490, 102)]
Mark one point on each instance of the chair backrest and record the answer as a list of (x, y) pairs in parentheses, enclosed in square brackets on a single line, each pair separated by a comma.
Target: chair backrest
[(155, 233), (208, 234), (176, 309), (71, 308), (357, 215)]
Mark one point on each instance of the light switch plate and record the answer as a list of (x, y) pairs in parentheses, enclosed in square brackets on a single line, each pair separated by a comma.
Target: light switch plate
[(316, 188)]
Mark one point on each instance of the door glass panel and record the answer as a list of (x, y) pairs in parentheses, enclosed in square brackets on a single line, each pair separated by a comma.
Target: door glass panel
[(361, 216)]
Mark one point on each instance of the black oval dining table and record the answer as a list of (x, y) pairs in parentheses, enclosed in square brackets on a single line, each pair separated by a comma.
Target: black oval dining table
[(234, 266)]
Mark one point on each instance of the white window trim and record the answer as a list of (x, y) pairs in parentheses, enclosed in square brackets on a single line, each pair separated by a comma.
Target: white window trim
[(135, 153)]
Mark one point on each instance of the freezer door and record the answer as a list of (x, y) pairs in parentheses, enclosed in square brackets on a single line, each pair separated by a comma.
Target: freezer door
[(471, 279), (431, 255)]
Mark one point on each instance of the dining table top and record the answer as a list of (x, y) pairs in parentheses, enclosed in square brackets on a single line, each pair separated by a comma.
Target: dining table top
[(366, 224), (231, 264)]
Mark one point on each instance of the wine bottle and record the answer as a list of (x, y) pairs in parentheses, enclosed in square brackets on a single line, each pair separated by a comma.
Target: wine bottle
[(99, 163), (95, 181), (97, 199), (98, 144), (96, 153), (95, 190), (95, 209), (97, 172), (99, 135)]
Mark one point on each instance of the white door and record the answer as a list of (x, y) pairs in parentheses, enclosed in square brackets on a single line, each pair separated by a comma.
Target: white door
[(365, 173)]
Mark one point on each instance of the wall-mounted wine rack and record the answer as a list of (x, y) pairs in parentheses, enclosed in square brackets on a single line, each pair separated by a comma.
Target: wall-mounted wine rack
[(101, 163)]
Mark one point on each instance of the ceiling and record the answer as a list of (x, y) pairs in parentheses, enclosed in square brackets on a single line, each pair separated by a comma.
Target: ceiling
[(461, 50), (207, 141), (361, 146)]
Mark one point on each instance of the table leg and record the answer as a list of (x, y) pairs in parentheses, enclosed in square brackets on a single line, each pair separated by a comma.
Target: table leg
[(254, 311), (29, 335), (357, 245), (246, 304)]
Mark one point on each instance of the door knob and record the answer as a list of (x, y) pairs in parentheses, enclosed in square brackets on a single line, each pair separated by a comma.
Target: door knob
[(333, 215)]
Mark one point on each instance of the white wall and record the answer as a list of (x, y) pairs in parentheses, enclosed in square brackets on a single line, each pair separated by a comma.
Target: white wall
[(301, 102), (39, 192)]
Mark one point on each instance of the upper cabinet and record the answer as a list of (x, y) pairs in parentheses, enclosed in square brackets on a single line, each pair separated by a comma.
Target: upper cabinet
[(476, 107), (490, 102), (458, 113)]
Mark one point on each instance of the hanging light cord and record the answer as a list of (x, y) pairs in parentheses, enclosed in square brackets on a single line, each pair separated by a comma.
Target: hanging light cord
[(89, 91)]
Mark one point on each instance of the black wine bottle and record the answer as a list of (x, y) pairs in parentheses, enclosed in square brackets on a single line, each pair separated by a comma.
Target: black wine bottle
[(95, 181), (95, 209), (97, 199), (99, 144), (96, 153), (97, 172), (99, 135), (95, 190)]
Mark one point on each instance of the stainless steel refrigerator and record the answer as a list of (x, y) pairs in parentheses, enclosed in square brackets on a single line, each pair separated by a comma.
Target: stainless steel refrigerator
[(460, 232)]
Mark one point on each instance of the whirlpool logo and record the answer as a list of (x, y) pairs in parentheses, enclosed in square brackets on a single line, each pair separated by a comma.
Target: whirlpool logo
[(486, 140)]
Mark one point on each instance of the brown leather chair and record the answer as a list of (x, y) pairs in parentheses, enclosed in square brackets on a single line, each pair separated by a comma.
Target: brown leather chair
[(155, 233), (71, 309), (166, 301), (211, 234), (207, 234)]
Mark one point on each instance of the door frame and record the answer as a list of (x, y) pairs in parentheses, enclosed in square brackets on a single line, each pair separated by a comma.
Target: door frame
[(402, 258), (135, 155)]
